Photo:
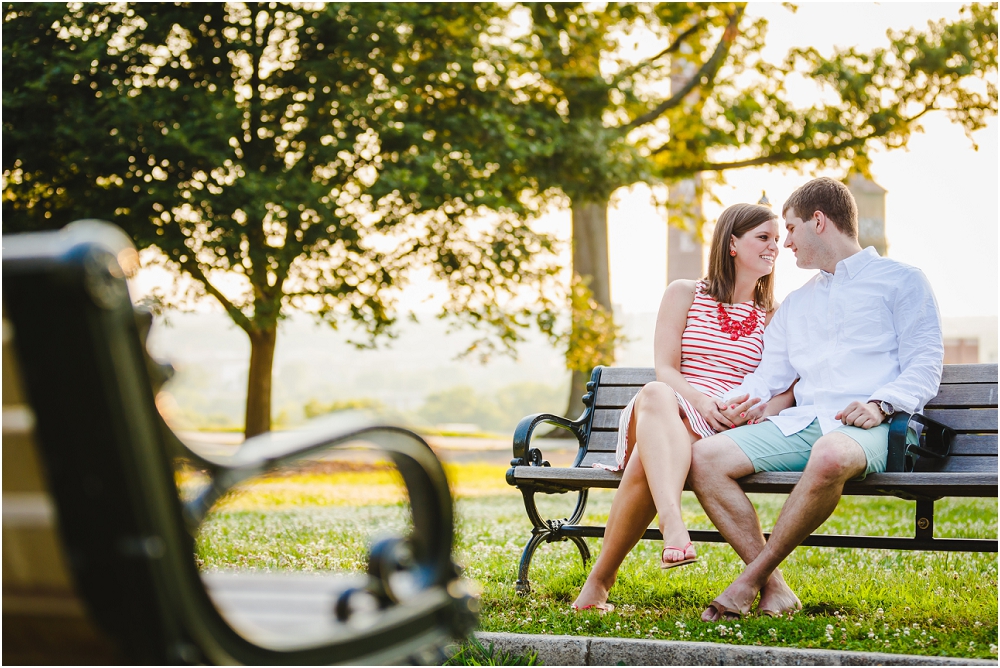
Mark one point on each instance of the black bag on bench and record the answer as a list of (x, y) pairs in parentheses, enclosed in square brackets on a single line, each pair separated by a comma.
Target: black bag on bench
[(933, 442)]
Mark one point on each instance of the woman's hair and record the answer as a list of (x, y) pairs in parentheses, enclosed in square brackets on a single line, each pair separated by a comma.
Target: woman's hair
[(736, 221)]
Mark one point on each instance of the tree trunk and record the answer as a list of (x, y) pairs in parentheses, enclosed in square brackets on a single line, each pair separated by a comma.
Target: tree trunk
[(590, 262), (258, 413)]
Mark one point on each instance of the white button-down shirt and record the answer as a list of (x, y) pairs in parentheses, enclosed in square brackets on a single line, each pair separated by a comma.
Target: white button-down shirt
[(871, 330)]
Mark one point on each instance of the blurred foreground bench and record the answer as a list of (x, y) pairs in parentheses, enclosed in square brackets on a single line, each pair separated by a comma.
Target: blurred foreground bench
[(98, 545)]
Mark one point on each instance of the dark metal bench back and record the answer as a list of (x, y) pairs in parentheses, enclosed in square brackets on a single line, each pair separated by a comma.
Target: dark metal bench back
[(104, 463), (963, 387)]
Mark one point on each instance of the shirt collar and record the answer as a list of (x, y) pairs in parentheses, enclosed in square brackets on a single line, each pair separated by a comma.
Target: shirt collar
[(855, 263)]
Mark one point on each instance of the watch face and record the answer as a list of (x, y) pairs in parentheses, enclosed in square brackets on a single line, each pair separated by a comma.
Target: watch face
[(886, 407)]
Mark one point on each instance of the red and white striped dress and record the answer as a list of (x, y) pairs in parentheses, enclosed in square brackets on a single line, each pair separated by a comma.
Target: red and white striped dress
[(711, 361)]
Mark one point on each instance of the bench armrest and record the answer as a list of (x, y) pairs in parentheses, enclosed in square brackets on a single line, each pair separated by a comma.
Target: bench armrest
[(933, 441), (525, 455)]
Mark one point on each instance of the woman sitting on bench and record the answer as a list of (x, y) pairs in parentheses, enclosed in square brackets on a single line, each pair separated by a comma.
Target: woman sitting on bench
[(709, 335)]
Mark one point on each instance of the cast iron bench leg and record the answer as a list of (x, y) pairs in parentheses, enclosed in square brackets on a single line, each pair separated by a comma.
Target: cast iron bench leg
[(548, 531), (925, 520)]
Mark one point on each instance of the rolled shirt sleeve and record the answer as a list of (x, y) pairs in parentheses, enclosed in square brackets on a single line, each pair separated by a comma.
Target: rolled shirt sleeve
[(917, 321)]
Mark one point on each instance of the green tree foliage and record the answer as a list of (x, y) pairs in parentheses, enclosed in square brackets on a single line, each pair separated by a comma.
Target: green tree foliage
[(281, 156), (611, 121)]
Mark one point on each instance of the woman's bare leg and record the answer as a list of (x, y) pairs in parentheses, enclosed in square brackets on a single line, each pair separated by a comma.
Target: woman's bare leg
[(632, 510), (664, 445), (633, 506)]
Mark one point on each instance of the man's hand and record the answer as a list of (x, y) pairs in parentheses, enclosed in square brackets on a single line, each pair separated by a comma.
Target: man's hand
[(864, 415), (737, 411), (760, 412)]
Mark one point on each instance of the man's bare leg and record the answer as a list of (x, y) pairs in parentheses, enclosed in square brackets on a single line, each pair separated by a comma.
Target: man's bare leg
[(835, 459), (717, 464)]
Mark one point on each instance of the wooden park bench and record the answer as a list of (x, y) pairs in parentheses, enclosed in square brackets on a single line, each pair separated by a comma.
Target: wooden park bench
[(98, 543), (958, 459)]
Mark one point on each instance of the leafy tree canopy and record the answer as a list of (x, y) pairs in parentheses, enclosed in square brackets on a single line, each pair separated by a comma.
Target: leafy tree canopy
[(282, 155)]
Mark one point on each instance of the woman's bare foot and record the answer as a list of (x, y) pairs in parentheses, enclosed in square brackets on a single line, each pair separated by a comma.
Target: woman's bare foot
[(777, 598), (593, 595)]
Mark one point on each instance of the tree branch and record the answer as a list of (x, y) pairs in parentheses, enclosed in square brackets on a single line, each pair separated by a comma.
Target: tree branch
[(628, 72), (708, 70), (807, 154), (192, 267)]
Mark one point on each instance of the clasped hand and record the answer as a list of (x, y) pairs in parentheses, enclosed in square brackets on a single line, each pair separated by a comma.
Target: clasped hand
[(742, 410)]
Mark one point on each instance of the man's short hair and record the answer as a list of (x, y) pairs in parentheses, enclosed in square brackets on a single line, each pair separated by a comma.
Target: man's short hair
[(829, 196)]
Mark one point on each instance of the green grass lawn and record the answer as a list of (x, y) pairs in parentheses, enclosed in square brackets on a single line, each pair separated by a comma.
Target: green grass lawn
[(866, 600)]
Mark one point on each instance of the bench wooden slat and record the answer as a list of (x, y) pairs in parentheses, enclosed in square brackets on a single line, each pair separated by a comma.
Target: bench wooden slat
[(591, 458), (974, 444), (968, 484), (969, 395), (615, 396), (964, 444), (624, 375), (969, 373), (606, 418), (969, 420), (952, 373), (603, 441), (959, 419), (965, 464), (930, 484)]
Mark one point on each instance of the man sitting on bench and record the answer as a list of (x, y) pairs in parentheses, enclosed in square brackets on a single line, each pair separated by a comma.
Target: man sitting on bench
[(864, 338)]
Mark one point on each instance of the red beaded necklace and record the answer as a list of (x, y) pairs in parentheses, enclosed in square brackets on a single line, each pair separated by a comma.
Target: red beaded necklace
[(737, 330)]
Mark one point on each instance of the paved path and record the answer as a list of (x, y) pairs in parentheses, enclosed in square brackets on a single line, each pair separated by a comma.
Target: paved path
[(584, 651), (451, 449)]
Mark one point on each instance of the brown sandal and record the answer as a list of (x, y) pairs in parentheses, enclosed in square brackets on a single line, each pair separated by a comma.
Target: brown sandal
[(724, 613)]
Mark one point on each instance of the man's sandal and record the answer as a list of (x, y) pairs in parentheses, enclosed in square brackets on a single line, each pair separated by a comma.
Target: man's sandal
[(603, 608), (723, 613), (664, 564), (764, 612)]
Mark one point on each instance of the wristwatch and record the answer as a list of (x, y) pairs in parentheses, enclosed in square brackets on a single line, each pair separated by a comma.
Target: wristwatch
[(884, 407)]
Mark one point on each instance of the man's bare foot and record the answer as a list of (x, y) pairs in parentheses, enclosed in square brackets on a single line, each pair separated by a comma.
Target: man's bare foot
[(777, 598), (593, 595), (734, 602)]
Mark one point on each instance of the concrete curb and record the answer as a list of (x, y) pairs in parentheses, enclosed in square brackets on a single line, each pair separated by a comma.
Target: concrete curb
[(584, 651)]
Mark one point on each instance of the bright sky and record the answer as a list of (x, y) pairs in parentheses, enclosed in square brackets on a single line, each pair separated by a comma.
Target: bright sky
[(941, 207)]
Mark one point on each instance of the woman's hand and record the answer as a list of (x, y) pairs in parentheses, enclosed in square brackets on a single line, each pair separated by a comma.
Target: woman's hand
[(711, 410), (738, 411)]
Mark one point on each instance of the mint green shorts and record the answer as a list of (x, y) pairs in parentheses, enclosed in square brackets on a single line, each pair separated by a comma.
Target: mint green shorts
[(770, 450)]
